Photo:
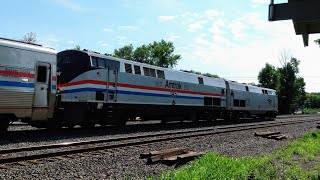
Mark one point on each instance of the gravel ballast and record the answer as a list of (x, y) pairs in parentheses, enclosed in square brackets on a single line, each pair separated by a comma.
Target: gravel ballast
[(125, 163)]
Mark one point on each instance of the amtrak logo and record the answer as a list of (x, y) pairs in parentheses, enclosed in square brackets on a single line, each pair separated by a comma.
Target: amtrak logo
[(270, 101)]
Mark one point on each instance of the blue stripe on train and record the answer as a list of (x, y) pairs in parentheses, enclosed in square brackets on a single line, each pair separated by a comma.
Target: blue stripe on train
[(128, 92), (16, 84)]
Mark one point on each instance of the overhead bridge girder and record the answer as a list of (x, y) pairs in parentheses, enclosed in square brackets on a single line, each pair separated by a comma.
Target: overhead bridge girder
[(305, 15)]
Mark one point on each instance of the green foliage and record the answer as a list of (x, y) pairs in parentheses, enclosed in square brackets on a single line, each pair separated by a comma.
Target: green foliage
[(203, 74), (29, 38), (269, 77), (286, 163), (125, 52), (312, 100), (156, 53)]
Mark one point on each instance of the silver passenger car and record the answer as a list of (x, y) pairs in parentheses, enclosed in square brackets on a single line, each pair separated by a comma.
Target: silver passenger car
[(27, 82)]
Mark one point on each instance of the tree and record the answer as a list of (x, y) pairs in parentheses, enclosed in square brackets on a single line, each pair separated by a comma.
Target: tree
[(312, 100), (77, 47), (156, 53), (268, 77), (29, 38), (162, 54), (300, 94), (317, 41), (143, 54), (203, 74), (125, 52), (286, 80)]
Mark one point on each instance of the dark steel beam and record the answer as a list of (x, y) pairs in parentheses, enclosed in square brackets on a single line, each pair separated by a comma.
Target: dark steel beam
[(298, 11)]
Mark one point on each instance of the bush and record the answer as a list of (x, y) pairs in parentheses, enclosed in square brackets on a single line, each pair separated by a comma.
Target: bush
[(310, 111)]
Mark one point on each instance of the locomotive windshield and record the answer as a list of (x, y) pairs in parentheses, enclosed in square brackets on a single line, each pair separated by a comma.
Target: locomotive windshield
[(71, 64)]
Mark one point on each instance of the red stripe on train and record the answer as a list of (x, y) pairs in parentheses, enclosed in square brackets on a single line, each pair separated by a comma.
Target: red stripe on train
[(18, 74), (136, 87)]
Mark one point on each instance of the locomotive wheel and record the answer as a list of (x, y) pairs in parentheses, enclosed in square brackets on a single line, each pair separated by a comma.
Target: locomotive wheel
[(215, 116), (210, 117), (193, 116), (227, 116), (120, 119), (53, 124), (4, 123)]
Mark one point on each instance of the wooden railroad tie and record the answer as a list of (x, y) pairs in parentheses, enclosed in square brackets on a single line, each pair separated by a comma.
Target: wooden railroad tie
[(271, 135), (170, 156)]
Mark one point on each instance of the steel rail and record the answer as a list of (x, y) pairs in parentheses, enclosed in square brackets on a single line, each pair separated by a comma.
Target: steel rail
[(143, 142), (73, 144)]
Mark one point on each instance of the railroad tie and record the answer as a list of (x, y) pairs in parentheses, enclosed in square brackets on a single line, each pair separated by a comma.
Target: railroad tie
[(170, 156), (271, 135)]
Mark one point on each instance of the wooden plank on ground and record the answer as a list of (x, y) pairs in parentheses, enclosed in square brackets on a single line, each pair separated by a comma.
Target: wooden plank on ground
[(281, 137), (190, 154), (167, 154), (182, 158), (276, 136), (163, 151), (266, 133)]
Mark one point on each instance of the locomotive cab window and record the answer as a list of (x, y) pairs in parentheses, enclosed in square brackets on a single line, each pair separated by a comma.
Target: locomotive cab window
[(137, 70), (42, 74), (101, 63), (128, 68), (200, 80), (94, 62)]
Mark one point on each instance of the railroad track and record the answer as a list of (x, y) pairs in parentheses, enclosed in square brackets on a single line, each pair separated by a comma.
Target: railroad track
[(9, 157)]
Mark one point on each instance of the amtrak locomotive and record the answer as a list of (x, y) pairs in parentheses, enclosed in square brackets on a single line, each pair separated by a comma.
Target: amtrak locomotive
[(73, 87)]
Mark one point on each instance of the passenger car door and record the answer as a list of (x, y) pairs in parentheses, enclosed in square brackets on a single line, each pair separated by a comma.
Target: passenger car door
[(41, 84)]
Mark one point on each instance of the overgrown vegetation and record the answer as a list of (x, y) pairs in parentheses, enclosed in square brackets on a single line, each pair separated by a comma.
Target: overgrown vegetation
[(299, 160)]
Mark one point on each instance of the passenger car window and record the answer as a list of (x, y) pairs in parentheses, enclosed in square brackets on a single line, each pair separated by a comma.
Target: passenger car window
[(137, 70), (153, 72), (160, 74), (42, 74), (146, 71), (128, 68)]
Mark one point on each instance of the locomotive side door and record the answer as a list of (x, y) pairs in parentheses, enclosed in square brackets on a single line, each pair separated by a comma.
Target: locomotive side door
[(112, 73), (41, 84)]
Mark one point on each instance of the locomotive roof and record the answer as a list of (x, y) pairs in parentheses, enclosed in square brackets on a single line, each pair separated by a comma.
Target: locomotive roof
[(90, 53), (26, 46)]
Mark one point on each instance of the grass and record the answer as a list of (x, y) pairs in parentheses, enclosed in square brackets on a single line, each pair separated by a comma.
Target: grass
[(310, 111), (299, 160)]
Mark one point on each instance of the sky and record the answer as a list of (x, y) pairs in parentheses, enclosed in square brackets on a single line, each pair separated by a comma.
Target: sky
[(230, 38)]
